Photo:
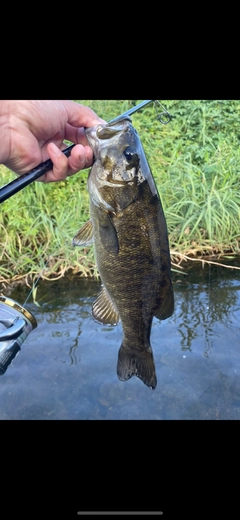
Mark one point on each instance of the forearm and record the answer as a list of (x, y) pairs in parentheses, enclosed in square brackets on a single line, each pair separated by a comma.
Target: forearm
[(4, 131)]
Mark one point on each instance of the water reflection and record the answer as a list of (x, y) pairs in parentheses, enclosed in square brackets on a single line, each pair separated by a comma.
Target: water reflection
[(67, 367), (200, 307)]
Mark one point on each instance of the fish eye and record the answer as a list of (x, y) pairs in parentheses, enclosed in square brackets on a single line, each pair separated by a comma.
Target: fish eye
[(130, 156)]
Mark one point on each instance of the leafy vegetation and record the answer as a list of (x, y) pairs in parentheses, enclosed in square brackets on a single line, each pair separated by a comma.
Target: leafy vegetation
[(195, 160)]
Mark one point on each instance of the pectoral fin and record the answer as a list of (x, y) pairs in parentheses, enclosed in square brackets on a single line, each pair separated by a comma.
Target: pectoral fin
[(84, 236), (107, 232), (104, 310)]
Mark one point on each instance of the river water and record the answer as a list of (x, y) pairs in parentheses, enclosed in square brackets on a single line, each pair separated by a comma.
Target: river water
[(66, 368)]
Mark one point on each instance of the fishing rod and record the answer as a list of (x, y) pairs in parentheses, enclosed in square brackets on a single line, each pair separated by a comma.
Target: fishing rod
[(27, 178), (15, 321)]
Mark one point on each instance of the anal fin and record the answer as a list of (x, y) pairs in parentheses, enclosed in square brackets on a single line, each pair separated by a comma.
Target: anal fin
[(104, 310)]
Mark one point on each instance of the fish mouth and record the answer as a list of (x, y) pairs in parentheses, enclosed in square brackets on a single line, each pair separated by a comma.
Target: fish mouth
[(109, 130), (119, 121)]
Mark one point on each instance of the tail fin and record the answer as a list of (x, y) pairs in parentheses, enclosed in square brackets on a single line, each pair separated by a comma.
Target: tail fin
[(138, 363)]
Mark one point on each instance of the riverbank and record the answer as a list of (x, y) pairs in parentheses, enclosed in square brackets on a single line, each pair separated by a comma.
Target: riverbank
[(195, 160)]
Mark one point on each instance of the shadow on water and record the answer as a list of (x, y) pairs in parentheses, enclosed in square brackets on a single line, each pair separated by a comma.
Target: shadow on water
[(67, 366)]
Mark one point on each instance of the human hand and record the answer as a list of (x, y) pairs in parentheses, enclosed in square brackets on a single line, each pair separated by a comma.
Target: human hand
[(33, 131)]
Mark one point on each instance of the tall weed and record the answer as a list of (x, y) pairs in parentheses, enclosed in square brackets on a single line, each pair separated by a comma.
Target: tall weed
[(195, 160)]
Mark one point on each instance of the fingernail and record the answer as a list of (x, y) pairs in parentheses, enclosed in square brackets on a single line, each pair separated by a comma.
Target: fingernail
[(55, 150)]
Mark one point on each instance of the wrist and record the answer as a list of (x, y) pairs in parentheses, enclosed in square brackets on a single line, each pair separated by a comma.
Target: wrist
[(4, 131)]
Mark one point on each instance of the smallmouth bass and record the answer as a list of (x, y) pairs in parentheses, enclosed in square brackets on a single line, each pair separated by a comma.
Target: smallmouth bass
[(129, 232)]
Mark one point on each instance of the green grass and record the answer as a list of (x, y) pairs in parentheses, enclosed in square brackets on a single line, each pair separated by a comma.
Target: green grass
[(195, 160), (37, 232)]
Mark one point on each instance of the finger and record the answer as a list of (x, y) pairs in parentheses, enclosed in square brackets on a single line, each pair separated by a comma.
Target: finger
[(60, 165), (81, 157), (76, 135)]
